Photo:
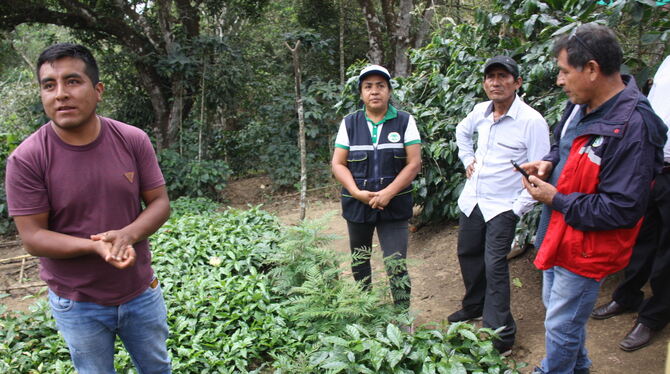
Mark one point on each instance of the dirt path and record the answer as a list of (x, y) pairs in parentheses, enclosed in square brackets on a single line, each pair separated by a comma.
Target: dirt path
[(437, 287)]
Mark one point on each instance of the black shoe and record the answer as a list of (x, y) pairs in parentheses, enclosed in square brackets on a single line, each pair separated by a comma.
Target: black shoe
[(464, 316), (504, 350), (638, 337), (608, 310)]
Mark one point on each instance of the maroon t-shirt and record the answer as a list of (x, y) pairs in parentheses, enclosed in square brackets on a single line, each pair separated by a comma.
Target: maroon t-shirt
[(86, 190)]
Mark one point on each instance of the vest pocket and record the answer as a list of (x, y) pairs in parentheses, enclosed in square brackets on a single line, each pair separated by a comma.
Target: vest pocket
[(399, 159), (357, 162), (400, 207)]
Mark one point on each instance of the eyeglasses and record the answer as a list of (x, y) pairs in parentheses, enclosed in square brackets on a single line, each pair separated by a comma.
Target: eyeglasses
[(573, 35)]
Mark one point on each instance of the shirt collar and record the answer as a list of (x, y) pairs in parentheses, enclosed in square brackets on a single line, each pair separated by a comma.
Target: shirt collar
[(391, 113), (512, 112), (601, 110)]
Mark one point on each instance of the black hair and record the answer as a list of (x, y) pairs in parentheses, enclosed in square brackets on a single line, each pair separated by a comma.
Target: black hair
[(62, 50), (591, 42)]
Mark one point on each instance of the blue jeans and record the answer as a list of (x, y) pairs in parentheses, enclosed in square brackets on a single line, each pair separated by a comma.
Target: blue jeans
[(90, 330), (569, 299)]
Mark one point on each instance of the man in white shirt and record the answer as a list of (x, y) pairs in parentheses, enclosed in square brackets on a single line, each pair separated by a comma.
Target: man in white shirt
[(493, 198)]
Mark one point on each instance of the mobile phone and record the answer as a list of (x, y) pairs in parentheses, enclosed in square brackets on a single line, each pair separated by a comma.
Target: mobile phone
[(517, 167)]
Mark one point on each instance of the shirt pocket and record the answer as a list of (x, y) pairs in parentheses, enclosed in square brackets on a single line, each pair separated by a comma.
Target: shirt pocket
[(357, 162), (512, 149)]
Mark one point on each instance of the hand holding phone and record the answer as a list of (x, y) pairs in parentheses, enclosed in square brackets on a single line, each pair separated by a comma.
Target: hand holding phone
[(520, 170)]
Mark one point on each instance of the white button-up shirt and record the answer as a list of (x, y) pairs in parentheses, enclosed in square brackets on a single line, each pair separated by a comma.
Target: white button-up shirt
[(658, 97), (521, 135)]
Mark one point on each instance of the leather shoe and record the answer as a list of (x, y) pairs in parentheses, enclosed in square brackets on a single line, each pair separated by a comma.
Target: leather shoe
[(608, 310), (504, 350), (638, 337), (463, 315)]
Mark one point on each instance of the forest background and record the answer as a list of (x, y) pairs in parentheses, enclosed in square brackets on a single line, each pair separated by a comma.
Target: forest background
[(212, 81)]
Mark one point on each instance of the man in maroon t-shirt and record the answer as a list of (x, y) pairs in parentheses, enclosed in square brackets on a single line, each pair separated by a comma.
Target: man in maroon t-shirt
[(75, 188)]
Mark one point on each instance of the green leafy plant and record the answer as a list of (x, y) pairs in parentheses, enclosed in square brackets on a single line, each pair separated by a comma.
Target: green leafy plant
[(458, 348), (192, 177)]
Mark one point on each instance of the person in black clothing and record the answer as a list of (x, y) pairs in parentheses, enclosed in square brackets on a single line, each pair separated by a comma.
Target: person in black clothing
[(650, 260)]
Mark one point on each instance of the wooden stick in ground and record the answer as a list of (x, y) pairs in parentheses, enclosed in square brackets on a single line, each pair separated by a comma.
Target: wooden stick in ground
[(301, 123), (12, 259), (10, 244), (23, 286), (23, 265)]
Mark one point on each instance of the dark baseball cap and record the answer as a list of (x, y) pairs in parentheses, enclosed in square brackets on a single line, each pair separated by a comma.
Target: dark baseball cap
[(506, 62)]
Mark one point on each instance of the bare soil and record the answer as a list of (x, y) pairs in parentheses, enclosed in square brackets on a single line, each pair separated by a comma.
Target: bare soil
[(437, 286), (14, 285)]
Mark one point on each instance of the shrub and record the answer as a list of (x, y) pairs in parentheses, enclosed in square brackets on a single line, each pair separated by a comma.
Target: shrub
[(191, 177)]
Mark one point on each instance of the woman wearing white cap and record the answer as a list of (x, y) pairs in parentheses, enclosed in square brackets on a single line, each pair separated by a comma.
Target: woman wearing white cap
[(377, 155)]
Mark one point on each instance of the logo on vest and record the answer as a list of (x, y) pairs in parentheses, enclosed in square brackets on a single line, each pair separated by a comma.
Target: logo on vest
[(597, 142), (394, 137), (130, 176)]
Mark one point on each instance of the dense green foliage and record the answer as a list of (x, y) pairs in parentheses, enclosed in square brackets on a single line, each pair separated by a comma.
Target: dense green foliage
[(456, 349), (261, 148), (186, 176), (246, 295)]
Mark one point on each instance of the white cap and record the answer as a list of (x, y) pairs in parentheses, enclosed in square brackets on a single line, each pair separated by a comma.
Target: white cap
[(373, 69)]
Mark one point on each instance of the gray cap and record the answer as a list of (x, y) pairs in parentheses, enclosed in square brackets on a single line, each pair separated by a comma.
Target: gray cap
[(506, 62)]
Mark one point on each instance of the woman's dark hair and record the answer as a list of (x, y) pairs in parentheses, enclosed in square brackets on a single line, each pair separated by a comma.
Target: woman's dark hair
[(591, 42), (62, 50)]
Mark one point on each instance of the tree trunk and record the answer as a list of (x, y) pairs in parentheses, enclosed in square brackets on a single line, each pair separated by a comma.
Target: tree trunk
[(424, 27), (301, 133), (153, 84), (177, 107), (342, 77), (202, 107), (401, 38), (375, 50)]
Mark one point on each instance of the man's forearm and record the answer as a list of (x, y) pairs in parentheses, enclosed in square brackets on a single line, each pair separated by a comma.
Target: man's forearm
[(39, 241), (149, 221), (46, 243)]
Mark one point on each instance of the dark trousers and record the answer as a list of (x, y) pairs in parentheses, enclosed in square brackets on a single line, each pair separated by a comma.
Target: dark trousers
[(393, 237), (650, 261), (482, 254)]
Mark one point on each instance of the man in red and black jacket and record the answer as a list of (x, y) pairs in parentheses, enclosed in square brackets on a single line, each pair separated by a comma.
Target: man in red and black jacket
[(595, 184)]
